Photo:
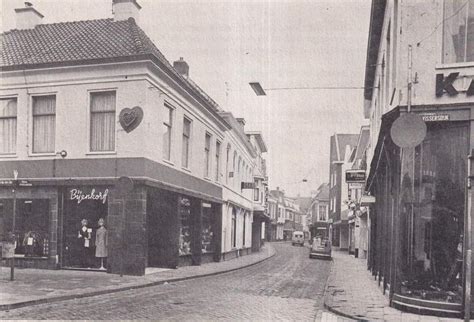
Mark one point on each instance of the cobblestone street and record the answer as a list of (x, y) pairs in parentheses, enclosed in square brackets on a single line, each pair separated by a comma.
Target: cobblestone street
[(288, 286)]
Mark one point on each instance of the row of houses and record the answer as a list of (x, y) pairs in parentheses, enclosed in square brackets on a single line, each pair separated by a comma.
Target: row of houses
[(95, 123), (399, 192), (286, 215)]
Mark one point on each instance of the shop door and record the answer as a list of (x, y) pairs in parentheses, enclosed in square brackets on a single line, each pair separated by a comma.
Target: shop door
[(78, 253)]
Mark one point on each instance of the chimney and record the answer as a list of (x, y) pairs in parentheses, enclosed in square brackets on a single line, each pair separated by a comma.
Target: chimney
[(241, 121), (27, 17), (124, 9), (181, 67)]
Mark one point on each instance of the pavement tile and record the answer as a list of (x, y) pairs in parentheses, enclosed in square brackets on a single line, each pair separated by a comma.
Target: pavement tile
[(352, 291), (39, 285)]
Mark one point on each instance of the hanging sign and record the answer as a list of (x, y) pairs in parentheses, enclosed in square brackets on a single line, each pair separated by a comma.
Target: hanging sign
[(80, 196), (247, 185), (355, 176), (130, 118), (408, 130)]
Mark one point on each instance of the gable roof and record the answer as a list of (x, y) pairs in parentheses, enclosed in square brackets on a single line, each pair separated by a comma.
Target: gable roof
[(323, 192), (89, 42), (259, 138), (342, 140), (363, 142)]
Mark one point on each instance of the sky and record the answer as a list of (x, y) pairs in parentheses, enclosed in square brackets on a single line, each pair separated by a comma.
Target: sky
[(281, 44)]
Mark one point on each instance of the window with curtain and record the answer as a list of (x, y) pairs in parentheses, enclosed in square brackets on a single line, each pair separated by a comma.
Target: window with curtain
[(218, 157), (227, 164), (167, 127), (44, 123), (102, 136), (458, 31), (186, 139), (207, 155), (8, 112)]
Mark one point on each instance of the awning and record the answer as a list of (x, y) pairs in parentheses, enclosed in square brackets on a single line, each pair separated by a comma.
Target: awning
[(387, 120), (260, 215)]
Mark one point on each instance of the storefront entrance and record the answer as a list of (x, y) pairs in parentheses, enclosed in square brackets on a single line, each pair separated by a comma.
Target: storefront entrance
[(84, 244)]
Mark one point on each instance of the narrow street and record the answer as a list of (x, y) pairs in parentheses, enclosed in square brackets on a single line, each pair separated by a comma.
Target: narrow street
[(288, 286)]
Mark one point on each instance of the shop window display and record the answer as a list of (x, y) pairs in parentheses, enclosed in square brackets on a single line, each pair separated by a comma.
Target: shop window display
[(31, 225), (207, 231), (185, 227), (85, 212), (432, 215)]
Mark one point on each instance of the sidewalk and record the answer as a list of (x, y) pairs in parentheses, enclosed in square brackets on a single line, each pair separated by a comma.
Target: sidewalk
[(35, 286), (351, 291)]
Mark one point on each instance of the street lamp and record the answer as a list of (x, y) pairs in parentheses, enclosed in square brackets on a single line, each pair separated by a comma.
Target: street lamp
[(257, 88)]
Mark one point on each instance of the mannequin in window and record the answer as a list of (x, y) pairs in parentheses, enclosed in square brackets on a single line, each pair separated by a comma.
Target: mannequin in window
[(84, 235), (101, 243)]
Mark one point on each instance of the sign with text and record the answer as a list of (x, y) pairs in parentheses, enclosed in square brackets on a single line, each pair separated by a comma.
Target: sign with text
[(80, 195), (434, 117), (355, 176), (247, 185)]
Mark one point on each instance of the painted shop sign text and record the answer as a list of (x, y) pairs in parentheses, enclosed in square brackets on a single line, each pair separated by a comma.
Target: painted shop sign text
[(435, 117), (79, 195)]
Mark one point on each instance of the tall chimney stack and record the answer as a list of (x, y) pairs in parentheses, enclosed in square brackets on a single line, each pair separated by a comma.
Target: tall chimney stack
[(124, 9), (27, 17), (181, 67)]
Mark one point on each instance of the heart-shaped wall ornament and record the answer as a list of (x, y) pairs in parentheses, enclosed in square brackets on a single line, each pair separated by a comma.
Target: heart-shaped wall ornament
[(130, 118)]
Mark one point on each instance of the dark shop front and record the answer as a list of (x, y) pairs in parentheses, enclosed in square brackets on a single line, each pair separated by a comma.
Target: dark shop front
[(417, 226), (94, 224)]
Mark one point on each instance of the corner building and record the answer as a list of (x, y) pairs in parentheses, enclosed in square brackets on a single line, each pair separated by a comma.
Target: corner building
[(101, 92), (420, 227)]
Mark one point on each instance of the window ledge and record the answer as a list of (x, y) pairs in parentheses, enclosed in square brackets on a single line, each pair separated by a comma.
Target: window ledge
[(9, 156), (49, 154), (101, 153), (168, 162), (454, 65), (186, 169)]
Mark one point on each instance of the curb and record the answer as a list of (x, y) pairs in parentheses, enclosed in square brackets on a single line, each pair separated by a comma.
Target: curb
[(332, 309), (7, 307)]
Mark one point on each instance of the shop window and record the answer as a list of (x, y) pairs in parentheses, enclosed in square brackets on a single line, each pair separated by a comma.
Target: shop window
[(102, 127), (432, 215), (44, 123), (31, 225), (207, 233), (458, 31), (84, 206), (8, 111), (167, 130), (185, 233), (186, 142)]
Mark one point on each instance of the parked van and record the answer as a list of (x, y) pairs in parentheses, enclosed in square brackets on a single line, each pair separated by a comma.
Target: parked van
[(298, 238)]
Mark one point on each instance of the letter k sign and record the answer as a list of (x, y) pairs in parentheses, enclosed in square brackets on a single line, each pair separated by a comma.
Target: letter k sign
[(446, 84)]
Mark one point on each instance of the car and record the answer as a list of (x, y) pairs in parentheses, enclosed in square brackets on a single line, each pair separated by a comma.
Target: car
[(320, 248), (298, 238)]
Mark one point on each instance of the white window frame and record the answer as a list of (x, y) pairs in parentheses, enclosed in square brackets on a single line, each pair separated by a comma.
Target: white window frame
[(187, 167), (207, 155), (15, 151), (89, 120), (170, 110), (32, 129)]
